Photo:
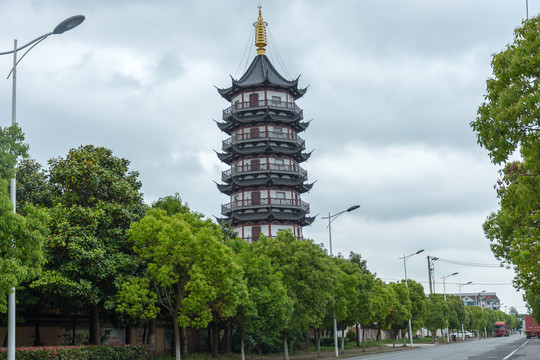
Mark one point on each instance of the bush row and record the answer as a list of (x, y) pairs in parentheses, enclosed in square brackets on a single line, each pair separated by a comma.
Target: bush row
[(122, 352)]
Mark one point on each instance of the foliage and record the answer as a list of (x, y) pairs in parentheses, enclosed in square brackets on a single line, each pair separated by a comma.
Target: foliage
[(456, 311), (96, 198), (189, 271), (11, 148), (418, 303), (435, 315), (32, 186), (509, 121), (21, 245), (478, 318), (307, 274), (132, 352)]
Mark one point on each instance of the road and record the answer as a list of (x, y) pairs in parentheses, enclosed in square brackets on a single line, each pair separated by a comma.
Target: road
[(515, 347)]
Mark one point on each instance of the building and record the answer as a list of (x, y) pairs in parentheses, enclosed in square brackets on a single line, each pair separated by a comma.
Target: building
[(482, 299), (264, 151)]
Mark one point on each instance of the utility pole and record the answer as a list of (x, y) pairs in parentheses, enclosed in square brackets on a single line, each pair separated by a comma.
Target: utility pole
[(429, 274)]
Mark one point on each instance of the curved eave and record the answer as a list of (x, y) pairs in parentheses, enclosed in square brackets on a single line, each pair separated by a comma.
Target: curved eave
[(262, 74)]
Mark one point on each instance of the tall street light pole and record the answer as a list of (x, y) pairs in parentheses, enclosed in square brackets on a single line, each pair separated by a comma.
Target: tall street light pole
[(405, 258), (329, 226), (61, 28), (444, 289)]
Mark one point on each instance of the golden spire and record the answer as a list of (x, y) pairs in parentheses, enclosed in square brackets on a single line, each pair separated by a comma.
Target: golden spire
[(260, 33)]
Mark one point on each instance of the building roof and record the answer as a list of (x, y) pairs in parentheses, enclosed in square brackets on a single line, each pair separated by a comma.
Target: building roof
[(261, 73)]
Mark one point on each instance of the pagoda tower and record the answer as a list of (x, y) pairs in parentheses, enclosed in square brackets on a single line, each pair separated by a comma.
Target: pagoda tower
[(264, 151)]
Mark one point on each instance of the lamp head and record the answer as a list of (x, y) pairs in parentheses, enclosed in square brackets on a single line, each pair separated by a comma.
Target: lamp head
[(454, 274), (68, 24), (419, 251), (354, 207)]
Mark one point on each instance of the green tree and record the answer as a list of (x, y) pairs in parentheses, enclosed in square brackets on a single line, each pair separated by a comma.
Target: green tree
[(402, 310), (21, 237), (509, 121), (363, 313), (96, 198), (457, 314), (478, 318), (435, 315), (32, 185), (418, 303), (383, 301), (188, 270), (308, 275), (267, 309)]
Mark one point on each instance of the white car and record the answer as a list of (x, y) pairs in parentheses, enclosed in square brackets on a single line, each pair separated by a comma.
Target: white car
[(460, 334)]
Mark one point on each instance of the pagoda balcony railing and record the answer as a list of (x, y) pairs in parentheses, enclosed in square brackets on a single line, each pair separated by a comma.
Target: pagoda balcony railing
[(260, 103), (265, 202), (241, 169), (262, 135)]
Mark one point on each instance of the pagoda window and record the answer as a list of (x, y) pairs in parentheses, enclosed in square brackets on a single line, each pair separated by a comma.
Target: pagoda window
[(237, 104), (253, 100), (276, 100), (280, 194)]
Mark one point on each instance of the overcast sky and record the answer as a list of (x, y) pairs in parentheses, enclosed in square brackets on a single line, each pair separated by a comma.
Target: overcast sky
[(393, 86)]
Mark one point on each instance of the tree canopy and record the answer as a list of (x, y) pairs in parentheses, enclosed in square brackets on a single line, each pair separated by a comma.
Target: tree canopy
[(508, 122)]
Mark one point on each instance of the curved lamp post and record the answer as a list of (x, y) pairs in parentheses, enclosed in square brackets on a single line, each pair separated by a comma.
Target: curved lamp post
[(61, 28), (405, 258), (444, 289), (329, 226)]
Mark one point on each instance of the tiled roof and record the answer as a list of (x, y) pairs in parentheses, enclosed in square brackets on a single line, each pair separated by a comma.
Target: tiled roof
[(261, 72)]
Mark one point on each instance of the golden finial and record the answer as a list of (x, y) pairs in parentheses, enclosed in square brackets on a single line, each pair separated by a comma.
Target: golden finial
[(260, 33)]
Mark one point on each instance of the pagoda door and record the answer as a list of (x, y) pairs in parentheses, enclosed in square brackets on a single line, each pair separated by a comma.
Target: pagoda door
[(255, 233), (253, 100), (254, 133), (255, 165), (255, 198)]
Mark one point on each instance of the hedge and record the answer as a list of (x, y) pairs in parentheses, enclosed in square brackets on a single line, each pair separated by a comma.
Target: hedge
[(120, 352)]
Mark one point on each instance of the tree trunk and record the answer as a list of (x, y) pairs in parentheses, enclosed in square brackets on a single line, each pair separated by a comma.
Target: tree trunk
[(74, 330), (394, 334), (307, 342), (405, 338), (151, 337), (227, 338), (379, 336), (357, 335), (285, 346), (363, 339), (318, 341), (127, 339), (343, 339), (242, 353), (37, 339), (95, 330), (184, 342), (176, 335), (215, 339)]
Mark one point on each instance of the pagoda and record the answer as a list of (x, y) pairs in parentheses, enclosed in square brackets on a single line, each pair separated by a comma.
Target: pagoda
[(264, 151)]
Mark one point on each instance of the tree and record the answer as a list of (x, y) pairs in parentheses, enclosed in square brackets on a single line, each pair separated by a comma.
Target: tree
[(267, 309), (418, 303), (509, 121), (308, 275), (435, 315), (96, 198), (402, 310), (383, 301), (478, 318), (21, 237), (188, 270), (456, 313)]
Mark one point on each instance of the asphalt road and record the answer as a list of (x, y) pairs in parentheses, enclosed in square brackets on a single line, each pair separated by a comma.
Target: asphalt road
[(515, 347)]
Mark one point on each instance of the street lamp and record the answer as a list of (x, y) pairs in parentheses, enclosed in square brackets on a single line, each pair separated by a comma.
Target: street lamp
[(462, 328), (478, 302), (64, 26), (405, 258), (444, 289), (329, 226)]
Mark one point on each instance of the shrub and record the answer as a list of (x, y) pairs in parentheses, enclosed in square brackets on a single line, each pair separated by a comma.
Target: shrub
[(131, 352)]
